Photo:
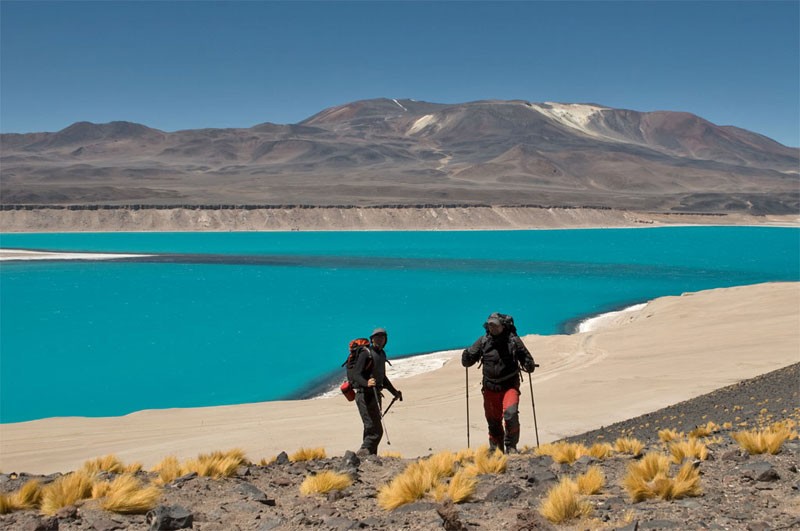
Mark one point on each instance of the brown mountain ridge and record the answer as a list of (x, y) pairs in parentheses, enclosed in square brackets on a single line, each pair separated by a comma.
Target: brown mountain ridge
[(406, 152)]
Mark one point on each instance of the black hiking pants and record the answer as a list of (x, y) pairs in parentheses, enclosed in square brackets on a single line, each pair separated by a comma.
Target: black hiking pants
[(370, 410)]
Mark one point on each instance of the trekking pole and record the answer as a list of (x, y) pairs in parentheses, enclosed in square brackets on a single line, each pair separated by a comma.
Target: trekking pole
[(533, 405), (387, 407), (466, 376), (378, 402)]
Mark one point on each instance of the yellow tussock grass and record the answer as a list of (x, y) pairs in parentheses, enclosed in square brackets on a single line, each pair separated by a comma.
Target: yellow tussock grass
[(128, 495), (765, 441), (107, 463), (704, 431), (650, 478), (308, 454), (100, 489), (442, 464), (27, 497), (168, 470), (727, 425), (408, 486), (629, 445), (562, 503), (132, 468), (462, 486), (466, 454), (668, 435), (485, 462), (216, 464), (268, 461), (691, 448), (563, 452), (324, 482), (392, 455), (591, 482), (66, 490), (5, 504), (601, 450)]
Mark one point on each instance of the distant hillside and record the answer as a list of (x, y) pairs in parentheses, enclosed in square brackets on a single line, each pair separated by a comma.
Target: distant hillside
[(403, 152)]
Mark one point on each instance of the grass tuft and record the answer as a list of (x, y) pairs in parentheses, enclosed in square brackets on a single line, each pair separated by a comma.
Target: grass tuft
[(441, 465), (127, 495), (107, 463), (691, 448), (704, 431), (308, 454), (100, 489), (168, 470), (392, 455), (66, 490), (462, 486), (668, 435), (601, 450), (592, 481), (485, 462), (216, 464), (649, 478), (5, 504), (769, 440), (324, 482), (409, 486), (563, 452), (629, 445), (562, 503)]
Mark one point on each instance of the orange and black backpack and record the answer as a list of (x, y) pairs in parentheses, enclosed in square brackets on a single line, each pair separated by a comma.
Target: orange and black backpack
[(350, 363)]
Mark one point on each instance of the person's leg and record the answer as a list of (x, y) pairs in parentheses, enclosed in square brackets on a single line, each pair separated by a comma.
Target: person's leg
[(511, 418), (493, 408), (370, 413)]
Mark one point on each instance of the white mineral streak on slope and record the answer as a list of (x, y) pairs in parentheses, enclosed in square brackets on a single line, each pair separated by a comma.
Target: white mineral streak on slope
[(573, 115), (422, 123), (397, 102)]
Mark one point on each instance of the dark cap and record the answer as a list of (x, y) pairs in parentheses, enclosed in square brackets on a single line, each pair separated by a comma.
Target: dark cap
[(378, 332), (494, 319)]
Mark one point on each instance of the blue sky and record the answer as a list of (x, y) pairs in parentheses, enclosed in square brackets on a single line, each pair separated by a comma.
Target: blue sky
[(185, 65)]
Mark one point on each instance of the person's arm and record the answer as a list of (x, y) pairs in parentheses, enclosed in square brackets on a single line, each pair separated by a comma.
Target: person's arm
[(524, 357), (472, 354), (362, 358), (391, 388)]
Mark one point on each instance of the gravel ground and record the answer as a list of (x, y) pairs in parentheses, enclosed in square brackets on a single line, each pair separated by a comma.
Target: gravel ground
[(740, 491)]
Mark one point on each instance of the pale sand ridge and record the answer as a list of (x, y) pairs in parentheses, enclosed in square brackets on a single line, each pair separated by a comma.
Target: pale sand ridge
[(673, 349)]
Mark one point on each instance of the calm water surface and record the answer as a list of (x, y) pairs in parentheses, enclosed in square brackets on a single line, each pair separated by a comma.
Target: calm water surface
[(225, 318)]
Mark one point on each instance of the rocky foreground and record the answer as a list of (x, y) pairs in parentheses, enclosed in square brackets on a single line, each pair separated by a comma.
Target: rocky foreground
[(740, 491)]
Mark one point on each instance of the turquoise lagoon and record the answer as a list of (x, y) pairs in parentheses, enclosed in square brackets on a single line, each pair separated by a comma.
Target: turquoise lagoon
[(227, 318)]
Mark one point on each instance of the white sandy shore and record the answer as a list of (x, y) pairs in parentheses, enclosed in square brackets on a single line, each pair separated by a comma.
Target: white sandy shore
[(673, 349), (22, 254)]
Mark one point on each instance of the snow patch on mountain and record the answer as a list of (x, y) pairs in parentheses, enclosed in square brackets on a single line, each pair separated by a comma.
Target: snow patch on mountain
[(573, 115), (398, 103)]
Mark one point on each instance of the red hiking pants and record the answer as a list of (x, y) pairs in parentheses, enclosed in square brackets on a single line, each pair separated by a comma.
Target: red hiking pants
[(502, 407)]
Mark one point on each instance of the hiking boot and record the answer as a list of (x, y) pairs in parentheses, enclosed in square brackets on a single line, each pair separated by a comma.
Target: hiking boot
[(363, 452), (493, 447), (511, 450)]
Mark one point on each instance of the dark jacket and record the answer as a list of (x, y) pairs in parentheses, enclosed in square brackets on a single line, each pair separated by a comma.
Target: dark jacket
[(364, 370), (502, 356)]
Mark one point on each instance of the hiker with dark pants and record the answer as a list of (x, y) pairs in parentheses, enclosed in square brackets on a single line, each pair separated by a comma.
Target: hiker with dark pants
[(502, 355), (369, 379)]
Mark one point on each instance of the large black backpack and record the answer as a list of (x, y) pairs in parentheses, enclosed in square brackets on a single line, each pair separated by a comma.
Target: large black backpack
[(350, 364), (506, 320)]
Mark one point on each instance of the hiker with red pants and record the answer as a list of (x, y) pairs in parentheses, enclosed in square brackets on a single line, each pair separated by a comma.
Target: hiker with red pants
[(502, 354), (369, 379)]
